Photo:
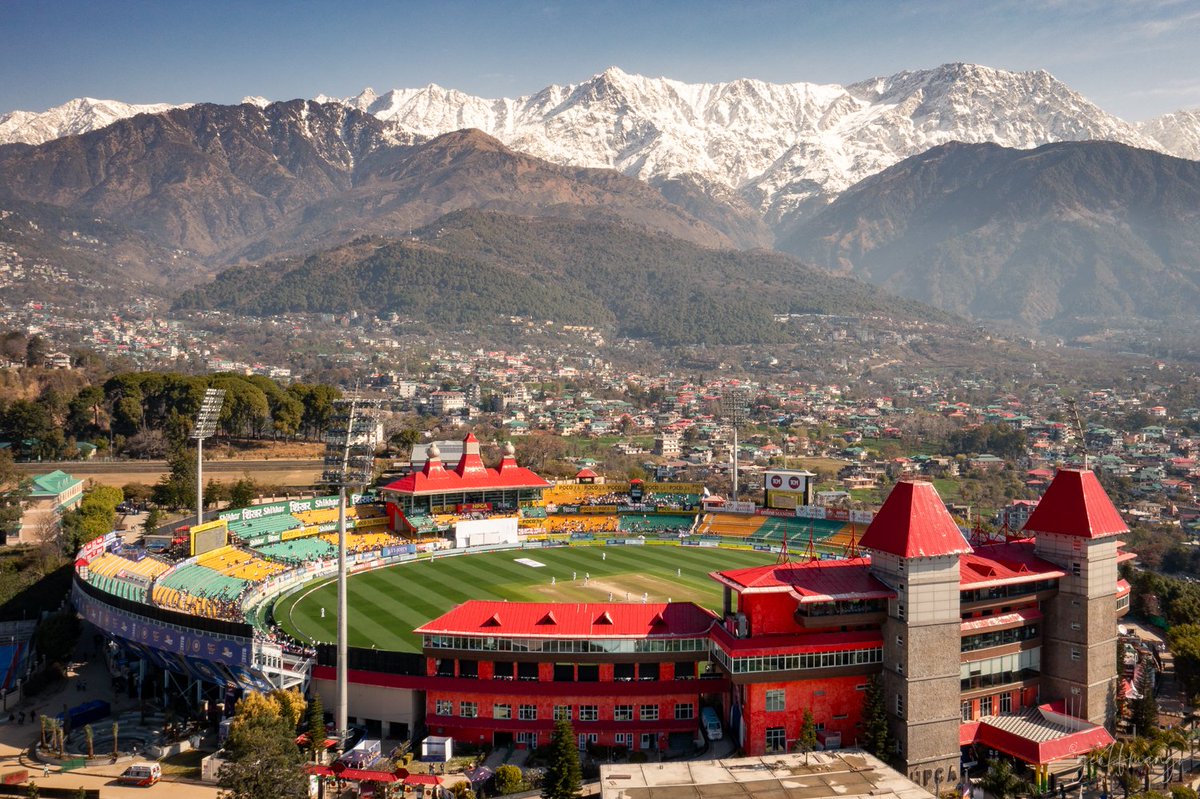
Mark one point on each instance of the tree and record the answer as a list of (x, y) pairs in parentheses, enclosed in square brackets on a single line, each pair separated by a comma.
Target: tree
[(153, 520), (36, 350), (14, 490), (242, 493), (808, 735), (564, 778), (1002, 782), (877, 736), (89, 736), (316, 728), (1145, 708), (462, 790), (509, 780), (263, 760)]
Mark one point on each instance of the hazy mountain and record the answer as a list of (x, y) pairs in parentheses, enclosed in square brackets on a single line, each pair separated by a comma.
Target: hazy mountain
[(478, 268), (1063, 236), (224, 182)]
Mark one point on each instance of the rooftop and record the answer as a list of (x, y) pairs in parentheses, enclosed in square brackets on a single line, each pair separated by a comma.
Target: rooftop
[(1075, 504), (843, 773), (914, 523), (809, 581), (572, 620), (53, 483)]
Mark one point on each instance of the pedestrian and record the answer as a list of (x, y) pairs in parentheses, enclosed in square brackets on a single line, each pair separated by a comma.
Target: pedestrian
[(45, 770), (603, 556)]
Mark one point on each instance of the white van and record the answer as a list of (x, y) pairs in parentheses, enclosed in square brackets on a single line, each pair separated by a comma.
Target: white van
[(141, 774), (711, 724)]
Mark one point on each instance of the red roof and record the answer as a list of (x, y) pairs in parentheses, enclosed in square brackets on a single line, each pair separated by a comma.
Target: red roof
[(914, 523), (573, 620), (810, 581), (799, 643), (1075, 504), (1037, 736), (585, 472), (469, 475), (1010, 563)]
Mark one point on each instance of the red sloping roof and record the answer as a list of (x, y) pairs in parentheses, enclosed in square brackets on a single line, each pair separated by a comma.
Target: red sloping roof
[(914, 523), (585, 472), (1008, 563), (811, 581), (573, 620), (470, 464), (443, 482), (1075, 504), (1034, 751)]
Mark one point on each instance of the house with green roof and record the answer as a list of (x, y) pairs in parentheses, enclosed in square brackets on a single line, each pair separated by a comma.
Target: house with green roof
[(50, 496)]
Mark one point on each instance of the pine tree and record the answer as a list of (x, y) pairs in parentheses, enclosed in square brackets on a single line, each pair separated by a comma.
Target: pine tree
[(808, 735), (877, 738), (564, 778), (1145, 708), (316, 728)]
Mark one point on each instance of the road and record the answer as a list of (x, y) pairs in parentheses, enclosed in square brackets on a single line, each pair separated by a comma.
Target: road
[(287, 473)]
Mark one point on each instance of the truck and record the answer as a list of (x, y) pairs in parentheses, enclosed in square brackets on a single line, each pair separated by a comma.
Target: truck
[(711, 724)]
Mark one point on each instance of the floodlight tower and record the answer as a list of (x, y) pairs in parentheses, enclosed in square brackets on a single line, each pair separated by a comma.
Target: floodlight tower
[(206, 425), (733, 409), (349, 461)]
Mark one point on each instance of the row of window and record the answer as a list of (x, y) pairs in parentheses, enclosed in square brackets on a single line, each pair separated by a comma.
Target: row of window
[(821, 660), (1007, 591), (572, 646), (989, 639), (986, 707), (470, 710)]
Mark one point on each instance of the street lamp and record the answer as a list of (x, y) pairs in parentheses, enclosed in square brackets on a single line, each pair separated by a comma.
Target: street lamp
[(206, 425), (349, 461)]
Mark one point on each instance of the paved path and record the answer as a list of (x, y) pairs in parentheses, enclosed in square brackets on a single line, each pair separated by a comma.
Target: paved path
[(16, 742)]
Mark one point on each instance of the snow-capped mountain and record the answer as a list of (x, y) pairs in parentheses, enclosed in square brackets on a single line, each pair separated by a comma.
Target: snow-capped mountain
[(776, 147), (1178, 133), (74, 116)]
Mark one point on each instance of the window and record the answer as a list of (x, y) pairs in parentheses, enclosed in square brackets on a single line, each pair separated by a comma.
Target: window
[(589, 672), (444, 707), (648, 712), (586, 738), (468, 710), (965, 710), (1076, 626), (776, 739), (899, 640), (624, 739), (776, 700), (527, 712), (685, 712), (623, 713), (564, 672), (502, 711), (528, 738), (468, 669), (589, 712), (900, 705), (1006, 703), (685, 669), (623, 672), (648, 671), (985, 706), (562, 712), (504, 670), (1075, 569), (1076, 654), (527, 671), (900, 611)]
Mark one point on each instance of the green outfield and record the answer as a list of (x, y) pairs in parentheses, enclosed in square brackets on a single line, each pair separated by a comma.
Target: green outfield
[(387, 604)]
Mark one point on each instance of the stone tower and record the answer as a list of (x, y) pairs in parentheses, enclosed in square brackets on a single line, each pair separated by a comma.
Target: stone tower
[(915, 547), (1076, 527)]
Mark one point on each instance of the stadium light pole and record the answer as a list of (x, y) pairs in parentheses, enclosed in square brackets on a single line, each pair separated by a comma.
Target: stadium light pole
[(349, 461), (206, 425), (733, 408)]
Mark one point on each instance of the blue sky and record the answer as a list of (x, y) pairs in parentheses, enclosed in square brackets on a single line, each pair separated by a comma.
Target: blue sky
[(1134, 59)]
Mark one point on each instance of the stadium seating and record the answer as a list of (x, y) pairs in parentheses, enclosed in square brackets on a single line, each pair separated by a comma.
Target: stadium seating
[(299, 550), (728, 525), (583, 523), (112, 565), (655, 523), (240, 564), (358, 541), (265, 526)]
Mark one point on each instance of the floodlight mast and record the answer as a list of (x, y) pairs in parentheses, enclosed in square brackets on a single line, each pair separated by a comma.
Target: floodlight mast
[(206, 425), (733, 408), (348, 462)]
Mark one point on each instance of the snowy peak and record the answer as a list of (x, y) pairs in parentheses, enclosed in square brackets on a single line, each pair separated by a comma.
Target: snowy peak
[(1178, 133), (73, 117)]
